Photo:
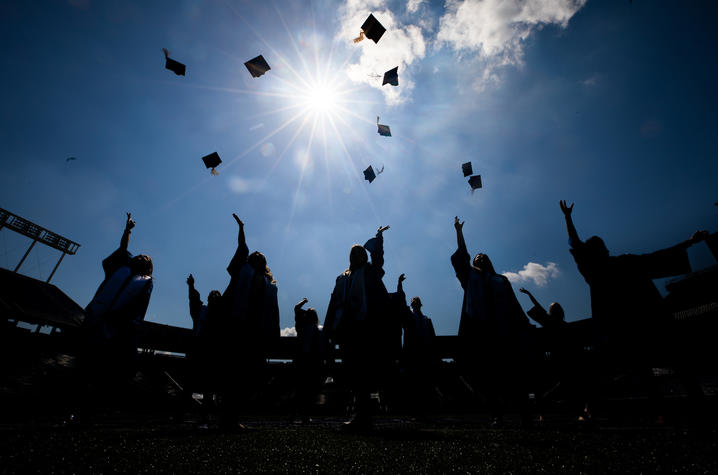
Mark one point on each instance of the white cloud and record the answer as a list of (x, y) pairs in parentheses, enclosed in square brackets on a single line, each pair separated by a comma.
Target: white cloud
[(289, 331), (413, 5), (495, 30), (536, 272), (399, 46), (240, 185)]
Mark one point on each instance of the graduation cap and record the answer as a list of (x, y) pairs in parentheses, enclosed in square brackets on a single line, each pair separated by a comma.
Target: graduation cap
[(174, 66), (212, 161), (475, 182), (70, 158), (257, 66), (466, 168), (391, 77), (369, 174), (372, 29), (382, 130)]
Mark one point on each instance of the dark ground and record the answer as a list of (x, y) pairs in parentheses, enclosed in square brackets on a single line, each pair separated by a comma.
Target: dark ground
[(155, 433), (446, 444)]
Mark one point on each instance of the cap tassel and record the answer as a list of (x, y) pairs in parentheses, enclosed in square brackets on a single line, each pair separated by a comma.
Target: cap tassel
[(214, 171), (360, 37), (167, 53)]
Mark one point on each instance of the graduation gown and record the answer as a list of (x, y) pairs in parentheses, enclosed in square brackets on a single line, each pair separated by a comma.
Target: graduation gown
[(626, 306)]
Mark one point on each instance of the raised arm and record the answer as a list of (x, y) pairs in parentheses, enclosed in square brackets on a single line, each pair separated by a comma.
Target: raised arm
[(240, 235), (242, 252), (376, 250), (572, 234), (460, 259), (400, 284), (460, 242), (533, 300), (195, 302), (125, 241)]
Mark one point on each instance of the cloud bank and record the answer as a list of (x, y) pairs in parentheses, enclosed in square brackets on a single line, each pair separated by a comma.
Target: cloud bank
[(539, 274), (400, 46), (289, 331), (493, 32)]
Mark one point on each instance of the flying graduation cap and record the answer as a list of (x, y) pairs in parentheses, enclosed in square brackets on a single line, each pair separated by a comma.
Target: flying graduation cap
[(475, 182), (382, 130), (369, 174), (257, 66), (212, 161), (391, 77), (174, 66), (466, 168), (372, 29), (68, 159)]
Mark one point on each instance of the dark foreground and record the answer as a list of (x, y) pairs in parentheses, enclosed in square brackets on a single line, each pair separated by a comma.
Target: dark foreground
[(446, 444)]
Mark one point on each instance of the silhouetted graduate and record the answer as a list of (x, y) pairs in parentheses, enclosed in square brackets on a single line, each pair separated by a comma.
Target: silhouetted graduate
[(119, 305), (419, 358), (631, 321), (354, 316), (625, 303), (252, 327), (203, 356), (492, 331), (565, 357), (308, 359)]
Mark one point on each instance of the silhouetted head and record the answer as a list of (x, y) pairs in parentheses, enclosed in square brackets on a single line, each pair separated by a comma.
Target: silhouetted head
[(555, 311), (141, 265), (596, 246), (214, 298), (357, 257), (258, 262), (415, 304), (483, 263), (312, 316)]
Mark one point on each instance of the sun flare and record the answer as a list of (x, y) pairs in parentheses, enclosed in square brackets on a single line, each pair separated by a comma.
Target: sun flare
[(321, 99)]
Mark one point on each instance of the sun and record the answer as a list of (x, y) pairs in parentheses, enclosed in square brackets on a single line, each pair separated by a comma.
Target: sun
[(321, 99)]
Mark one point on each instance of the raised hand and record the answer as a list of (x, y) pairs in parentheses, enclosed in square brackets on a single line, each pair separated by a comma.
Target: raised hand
[(458, 225), (190, 280), (402, 278), (239, 221), (524, 291), (129, 224), (565, 209), (382, 229)]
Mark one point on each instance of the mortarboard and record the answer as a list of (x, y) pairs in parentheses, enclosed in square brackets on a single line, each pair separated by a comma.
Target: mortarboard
[(372, 29), (70, 158), (257, 66), (382, 130), (212, 161), (174, 66), (475, 182), (369, 174), (466, 168), (391, 77)]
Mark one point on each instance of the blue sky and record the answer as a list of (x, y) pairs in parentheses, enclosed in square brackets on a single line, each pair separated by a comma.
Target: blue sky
[(608, 104)]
